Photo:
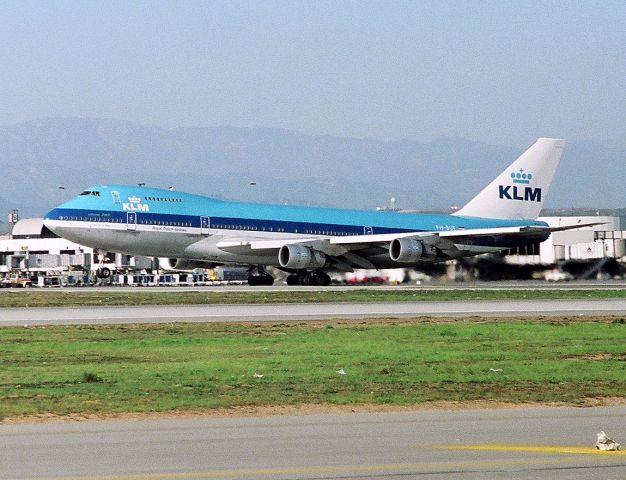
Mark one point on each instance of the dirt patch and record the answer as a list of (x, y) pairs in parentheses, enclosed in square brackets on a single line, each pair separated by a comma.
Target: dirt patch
[(418, 319), (600, 357), (311, 409)]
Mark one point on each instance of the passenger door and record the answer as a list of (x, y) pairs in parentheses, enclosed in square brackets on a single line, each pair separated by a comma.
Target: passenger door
[(205, 225), (131, 221)]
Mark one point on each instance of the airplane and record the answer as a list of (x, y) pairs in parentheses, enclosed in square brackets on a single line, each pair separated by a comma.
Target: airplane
[(197, 231)]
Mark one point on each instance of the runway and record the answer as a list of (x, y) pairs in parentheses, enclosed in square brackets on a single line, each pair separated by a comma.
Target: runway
[(521, 443), (303, 312)]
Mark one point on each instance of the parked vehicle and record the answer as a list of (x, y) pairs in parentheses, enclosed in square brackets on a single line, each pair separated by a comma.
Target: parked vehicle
[(15, 282)]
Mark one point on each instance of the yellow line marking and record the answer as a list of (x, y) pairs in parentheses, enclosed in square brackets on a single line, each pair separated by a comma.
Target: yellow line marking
[(532, 449), (343, 469)]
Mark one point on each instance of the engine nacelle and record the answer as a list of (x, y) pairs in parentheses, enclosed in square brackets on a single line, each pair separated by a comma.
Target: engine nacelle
[(410, 250), (183, 264), (300, 257)]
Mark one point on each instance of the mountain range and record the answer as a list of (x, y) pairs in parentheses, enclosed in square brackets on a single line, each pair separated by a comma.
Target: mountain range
[(47, 161)]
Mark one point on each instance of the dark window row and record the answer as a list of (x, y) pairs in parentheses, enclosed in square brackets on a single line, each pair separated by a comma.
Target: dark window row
[(278, 229), (166, 223), (92, 219), (164, 199)]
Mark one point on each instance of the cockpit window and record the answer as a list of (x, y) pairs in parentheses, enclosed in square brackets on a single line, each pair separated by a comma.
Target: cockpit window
[(90, 192)]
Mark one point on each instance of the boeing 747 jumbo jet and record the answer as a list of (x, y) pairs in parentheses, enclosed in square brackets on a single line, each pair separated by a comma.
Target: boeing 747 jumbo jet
[(199, 231)]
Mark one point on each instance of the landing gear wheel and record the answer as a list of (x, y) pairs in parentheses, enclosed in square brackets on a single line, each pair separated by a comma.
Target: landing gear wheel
[(317, 278), (257, 276), (103, 272), (260, 280), (264, 280)]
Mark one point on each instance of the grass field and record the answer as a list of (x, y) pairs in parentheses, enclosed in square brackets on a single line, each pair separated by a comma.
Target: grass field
[(146, 297), (198, 367)]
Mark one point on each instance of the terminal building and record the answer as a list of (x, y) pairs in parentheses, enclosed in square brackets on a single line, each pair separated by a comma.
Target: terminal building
[(605, 240), (597, 251), (31, 249)]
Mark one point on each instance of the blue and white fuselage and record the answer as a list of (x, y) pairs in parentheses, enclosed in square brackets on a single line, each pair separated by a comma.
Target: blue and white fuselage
[(193, 228)]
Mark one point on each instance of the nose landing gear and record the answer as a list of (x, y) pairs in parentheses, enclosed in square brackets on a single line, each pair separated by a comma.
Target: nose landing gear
[(103, 272)]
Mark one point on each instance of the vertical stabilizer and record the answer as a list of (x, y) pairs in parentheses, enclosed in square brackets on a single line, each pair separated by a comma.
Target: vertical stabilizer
[(520, 191)]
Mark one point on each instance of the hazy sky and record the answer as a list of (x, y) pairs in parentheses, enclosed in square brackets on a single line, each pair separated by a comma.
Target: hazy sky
[(503, 72)]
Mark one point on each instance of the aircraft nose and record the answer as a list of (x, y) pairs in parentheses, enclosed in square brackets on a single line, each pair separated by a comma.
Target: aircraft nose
[(49, 217)]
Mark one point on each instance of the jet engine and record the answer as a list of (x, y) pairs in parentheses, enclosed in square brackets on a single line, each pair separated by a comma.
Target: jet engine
[(300, 257), (410, 250), (183, 264)]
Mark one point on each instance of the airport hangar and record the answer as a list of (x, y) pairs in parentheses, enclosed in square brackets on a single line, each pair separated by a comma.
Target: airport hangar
[(31, 249)]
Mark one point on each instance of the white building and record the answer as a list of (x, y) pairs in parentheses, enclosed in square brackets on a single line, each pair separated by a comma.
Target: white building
[(605, 240), (32, 247), (600, 241)]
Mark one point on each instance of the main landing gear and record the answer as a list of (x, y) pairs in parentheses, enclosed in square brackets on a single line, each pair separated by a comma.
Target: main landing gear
[(257, 276), (316, 278)]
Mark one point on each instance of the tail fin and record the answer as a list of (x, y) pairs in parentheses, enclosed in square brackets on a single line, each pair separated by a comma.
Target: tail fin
[(519, 191)]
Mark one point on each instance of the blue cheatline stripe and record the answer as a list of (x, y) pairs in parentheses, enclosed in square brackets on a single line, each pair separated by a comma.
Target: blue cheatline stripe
[(221, 223)]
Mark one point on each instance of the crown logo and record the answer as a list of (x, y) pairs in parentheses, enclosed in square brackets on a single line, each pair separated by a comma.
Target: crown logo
[(134, 199), (521, 177)]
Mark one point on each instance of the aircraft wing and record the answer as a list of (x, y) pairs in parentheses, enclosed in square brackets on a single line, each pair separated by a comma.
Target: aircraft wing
[(352, 251)]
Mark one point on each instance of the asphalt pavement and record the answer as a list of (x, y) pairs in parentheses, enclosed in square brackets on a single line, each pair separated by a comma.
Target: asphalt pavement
[(518, 443), (303, 312)]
